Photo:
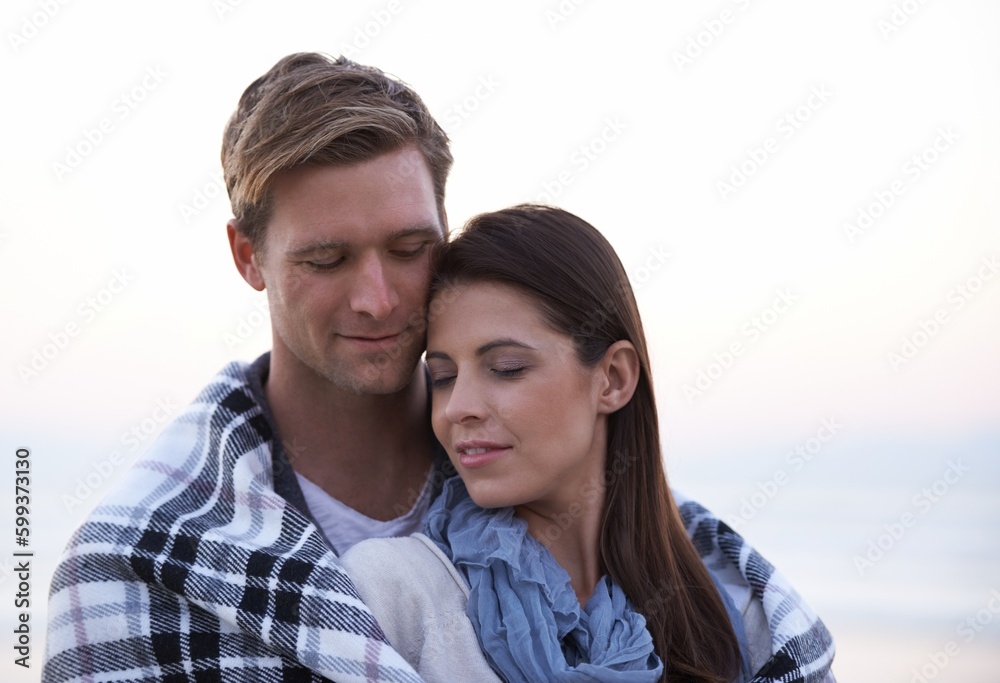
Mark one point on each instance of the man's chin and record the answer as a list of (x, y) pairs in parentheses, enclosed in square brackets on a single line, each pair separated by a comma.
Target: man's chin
[(373, 378)]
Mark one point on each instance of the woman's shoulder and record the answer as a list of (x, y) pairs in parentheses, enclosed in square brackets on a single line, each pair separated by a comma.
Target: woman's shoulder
[(406, 579), (375, 550), (404, 558), (419, 598), (405, 586)]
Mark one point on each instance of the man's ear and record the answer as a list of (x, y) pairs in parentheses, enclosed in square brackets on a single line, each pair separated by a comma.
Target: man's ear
[(620, 369), (243, 255)]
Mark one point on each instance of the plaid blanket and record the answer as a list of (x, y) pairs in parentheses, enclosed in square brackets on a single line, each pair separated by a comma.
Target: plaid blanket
[(802, 648), (194, 569)]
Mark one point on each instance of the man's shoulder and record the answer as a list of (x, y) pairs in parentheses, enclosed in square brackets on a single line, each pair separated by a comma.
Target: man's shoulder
[(237, 386), (225, 411), (231, 394)]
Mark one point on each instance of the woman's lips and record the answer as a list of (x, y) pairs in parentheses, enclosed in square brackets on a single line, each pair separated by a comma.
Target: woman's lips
[(472, 455)]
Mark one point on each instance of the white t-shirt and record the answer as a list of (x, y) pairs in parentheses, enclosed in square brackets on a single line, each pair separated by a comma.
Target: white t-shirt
[(344, 526)]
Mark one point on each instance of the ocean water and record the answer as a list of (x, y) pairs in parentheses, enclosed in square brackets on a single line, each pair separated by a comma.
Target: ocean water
[(895, 544)]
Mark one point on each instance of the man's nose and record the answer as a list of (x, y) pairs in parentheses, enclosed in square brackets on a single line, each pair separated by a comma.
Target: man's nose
[(374, 293)]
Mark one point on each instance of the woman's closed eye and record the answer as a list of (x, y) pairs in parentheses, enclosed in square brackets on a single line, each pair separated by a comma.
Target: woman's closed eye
[(508, 371), (505, 371), (441, 380)]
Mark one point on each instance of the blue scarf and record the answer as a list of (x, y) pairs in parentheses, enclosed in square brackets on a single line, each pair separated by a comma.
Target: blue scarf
[(524, 610)]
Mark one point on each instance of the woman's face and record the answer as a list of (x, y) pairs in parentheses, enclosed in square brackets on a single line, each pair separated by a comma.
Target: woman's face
[(512, 405)]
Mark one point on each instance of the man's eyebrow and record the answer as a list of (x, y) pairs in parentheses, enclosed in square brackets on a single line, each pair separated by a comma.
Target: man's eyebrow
[(485, 348), (313, 247), (427, 231)]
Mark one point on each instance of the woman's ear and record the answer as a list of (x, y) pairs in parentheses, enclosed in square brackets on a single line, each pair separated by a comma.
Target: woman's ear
[(620, 367), (243, 255)]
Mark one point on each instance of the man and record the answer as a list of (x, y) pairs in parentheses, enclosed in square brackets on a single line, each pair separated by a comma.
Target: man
[(215, 558)]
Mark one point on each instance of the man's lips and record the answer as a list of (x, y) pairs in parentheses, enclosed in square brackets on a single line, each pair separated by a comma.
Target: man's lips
[(373, 341), (478, 453)]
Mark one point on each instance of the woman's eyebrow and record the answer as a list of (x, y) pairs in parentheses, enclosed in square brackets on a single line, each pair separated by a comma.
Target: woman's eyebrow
[(485, 348)]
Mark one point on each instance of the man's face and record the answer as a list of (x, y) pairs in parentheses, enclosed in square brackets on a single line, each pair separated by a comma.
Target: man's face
[(346, 266)]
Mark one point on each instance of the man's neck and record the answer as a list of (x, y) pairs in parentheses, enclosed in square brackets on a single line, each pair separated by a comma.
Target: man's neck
[(371, 452)]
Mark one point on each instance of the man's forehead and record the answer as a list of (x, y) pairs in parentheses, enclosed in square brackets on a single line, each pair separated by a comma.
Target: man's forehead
[(393, 169), (383, 199)]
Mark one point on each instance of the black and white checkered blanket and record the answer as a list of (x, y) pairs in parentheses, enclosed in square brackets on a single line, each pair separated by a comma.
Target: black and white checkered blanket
[(195, 569), (801, 646)]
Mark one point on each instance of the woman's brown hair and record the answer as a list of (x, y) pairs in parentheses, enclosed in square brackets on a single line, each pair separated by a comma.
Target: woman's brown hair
[(576, 278)]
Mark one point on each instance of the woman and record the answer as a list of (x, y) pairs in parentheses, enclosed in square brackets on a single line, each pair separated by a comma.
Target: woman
[(560, 554)]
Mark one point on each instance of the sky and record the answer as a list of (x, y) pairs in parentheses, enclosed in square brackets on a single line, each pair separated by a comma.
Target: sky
[(804, 196)]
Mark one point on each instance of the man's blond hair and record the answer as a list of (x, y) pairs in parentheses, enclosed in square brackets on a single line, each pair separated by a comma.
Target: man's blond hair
[(312, 109)]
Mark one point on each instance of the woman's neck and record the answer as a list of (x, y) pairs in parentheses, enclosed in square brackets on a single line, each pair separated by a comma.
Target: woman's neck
[(571, 532)]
